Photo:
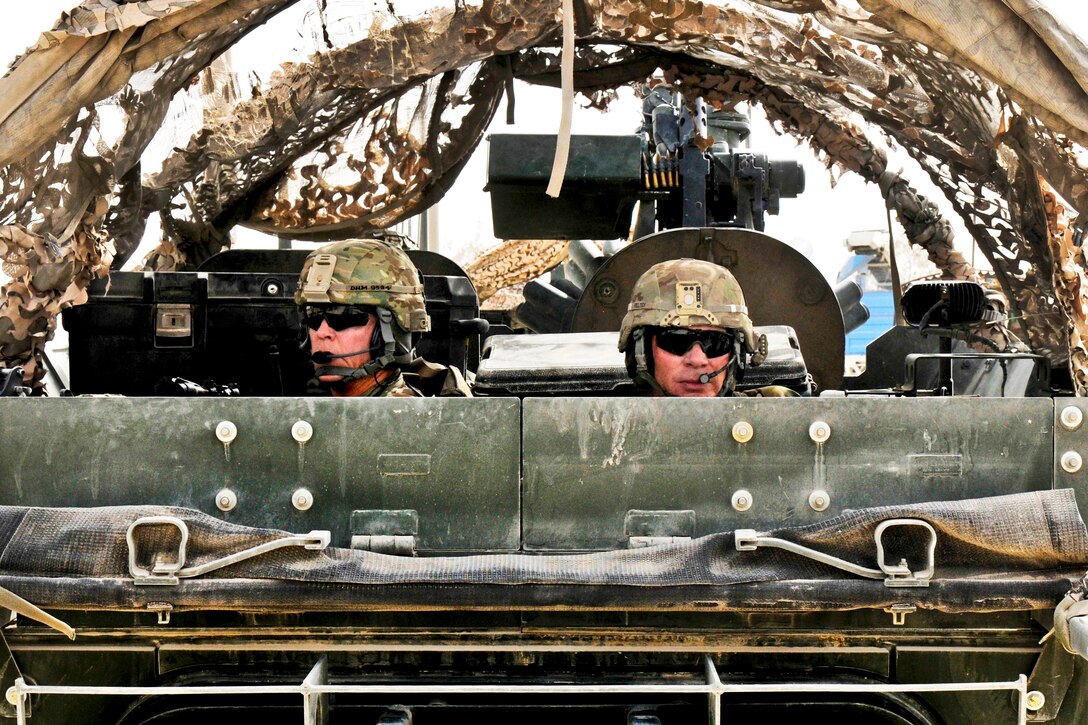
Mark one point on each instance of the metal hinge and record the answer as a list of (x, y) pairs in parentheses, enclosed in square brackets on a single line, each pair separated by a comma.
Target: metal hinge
[(394, 545), (894, 575), (641, 542), (385, 531)]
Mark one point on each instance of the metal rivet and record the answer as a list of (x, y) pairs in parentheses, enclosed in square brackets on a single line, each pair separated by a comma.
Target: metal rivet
[(819, 500), (302, 499), (606, 290), (1071, 462), (302, 431), (743, 431), (819, 431), (1036, 700), (742, 500), (1071, 417), (226, 500), (226, 431), (12, 696)]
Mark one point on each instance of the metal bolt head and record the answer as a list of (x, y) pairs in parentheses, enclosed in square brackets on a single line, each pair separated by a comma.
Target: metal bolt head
[(226, 431), (819, 431), (226, 500), (819, 500), (302, 431), (302, 499), (1071, 462), (743, 431), (606, 290), (742, 500), (1071, 417), (1036, 700)]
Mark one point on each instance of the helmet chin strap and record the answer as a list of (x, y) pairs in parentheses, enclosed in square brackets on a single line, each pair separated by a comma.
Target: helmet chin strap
[(347, 374), (642, 368)]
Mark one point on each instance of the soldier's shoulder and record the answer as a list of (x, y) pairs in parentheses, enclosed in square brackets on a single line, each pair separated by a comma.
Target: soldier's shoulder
[(398, 388), (434, 380), (769, 391)]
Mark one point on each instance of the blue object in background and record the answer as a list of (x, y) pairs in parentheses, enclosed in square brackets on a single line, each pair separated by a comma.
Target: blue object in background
[(881, 306)]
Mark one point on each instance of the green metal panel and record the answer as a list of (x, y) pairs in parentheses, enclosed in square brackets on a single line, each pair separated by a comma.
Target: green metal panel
[(589, 461), (454, 461)]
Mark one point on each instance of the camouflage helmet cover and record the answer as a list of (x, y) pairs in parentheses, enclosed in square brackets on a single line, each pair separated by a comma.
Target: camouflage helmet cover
[(365, 272), (687, 293)]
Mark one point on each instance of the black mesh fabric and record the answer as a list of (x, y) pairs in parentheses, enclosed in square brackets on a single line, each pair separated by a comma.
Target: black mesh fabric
[(1016, 552)]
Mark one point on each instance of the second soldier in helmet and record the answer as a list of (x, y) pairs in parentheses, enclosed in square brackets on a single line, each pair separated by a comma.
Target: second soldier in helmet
[(359, 302), (687, 332)]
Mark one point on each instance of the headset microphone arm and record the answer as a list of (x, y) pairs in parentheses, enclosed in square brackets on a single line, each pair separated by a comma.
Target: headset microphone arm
[(322, 357), (707, 377)]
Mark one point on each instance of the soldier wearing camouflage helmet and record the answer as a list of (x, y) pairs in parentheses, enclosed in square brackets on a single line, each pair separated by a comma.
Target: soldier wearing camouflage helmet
[(687, 332), (360, 301)]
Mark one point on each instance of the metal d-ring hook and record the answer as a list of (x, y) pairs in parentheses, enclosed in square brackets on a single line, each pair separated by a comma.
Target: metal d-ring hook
[(894, 575), (169, 573)]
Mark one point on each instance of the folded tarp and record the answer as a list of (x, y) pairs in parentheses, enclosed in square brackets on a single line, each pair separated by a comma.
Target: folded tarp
[(1017, 552)]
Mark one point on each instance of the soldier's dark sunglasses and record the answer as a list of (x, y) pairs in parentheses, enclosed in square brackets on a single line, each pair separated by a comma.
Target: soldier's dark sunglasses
[(339, 317), (677, 341)]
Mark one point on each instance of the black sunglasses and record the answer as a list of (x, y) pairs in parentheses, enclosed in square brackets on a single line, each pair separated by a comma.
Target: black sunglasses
[(677, 341), (339, 317)]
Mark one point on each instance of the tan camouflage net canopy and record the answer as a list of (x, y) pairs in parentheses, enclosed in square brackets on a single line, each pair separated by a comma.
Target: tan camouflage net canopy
[(990, 96)]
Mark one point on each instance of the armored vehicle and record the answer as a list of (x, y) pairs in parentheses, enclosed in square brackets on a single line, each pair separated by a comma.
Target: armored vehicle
[(192, 532)]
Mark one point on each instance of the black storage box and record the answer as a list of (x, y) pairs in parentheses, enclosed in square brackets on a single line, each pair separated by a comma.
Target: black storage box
[(602, 180), (225, 328), (222, 328)]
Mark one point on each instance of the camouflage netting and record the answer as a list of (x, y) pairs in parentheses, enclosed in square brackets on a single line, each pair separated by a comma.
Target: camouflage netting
[(376, 117), (514, 262)]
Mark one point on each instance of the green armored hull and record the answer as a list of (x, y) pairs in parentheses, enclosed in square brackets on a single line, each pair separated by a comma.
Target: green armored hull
[(193, 531), (603, 555)]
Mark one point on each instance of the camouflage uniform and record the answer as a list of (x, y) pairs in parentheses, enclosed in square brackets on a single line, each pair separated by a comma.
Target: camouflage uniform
[(370, 273), (768, 391), (689, 293), (394, 388)]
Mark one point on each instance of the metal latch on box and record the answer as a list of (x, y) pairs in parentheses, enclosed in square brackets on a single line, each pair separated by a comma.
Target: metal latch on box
[(654, 528), (167, 572), (385, 531), (173, 320), (894, 575)]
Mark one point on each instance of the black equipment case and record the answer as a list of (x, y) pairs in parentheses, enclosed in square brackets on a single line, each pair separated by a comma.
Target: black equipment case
[(227, 331), (139, 330)]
